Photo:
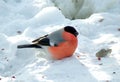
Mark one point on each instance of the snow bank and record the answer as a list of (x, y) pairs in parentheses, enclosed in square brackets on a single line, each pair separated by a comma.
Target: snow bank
[(47, 16), (25, 20), (75, 9)]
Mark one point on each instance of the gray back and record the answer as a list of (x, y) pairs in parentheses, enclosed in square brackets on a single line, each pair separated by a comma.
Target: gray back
[(56, 37)]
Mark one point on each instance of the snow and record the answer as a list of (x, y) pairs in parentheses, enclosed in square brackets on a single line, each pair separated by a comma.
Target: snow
[(22, 21)]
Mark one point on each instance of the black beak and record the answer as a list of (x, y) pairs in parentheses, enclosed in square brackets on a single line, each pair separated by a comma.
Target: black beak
[(76, 34)]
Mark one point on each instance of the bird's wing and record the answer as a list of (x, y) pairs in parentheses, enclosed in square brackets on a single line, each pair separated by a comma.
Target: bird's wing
[(52, 39), (44, 40), (40, 38)]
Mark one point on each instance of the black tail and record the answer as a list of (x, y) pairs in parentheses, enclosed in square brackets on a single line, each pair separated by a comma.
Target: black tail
[(29, 46)]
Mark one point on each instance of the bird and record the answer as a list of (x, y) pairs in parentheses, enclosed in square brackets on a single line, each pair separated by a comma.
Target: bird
[(59, 44)]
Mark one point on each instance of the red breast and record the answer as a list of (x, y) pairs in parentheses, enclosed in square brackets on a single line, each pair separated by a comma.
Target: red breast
[(66, 48)]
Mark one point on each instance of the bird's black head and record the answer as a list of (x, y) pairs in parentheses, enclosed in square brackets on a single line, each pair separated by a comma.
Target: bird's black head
[(71, 30)]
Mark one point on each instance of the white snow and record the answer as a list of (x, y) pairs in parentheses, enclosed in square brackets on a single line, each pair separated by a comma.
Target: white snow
[(22, 21)]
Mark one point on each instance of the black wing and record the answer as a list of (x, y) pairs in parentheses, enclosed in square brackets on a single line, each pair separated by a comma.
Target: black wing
[(37, 43), (44, 40), (38, 39)]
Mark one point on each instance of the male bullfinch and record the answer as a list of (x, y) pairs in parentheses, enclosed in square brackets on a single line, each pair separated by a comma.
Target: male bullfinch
[(60, 44)]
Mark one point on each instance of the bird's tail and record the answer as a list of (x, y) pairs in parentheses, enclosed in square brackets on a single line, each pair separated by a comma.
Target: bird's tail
[(29, 46)]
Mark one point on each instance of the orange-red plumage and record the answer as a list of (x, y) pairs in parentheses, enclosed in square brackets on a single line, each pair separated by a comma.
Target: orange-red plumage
[(66, 48)]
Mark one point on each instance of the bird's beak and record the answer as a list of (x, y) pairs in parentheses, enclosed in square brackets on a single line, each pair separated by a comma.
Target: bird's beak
[(76, 33)]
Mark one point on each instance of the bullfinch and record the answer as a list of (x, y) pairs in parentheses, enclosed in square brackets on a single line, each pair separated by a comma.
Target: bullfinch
[(60, 44)]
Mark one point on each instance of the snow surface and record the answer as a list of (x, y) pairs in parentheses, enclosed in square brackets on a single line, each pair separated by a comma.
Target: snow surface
[(22, 21)]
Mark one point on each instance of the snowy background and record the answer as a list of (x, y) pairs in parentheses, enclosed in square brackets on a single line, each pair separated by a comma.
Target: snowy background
[(98, 24)]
